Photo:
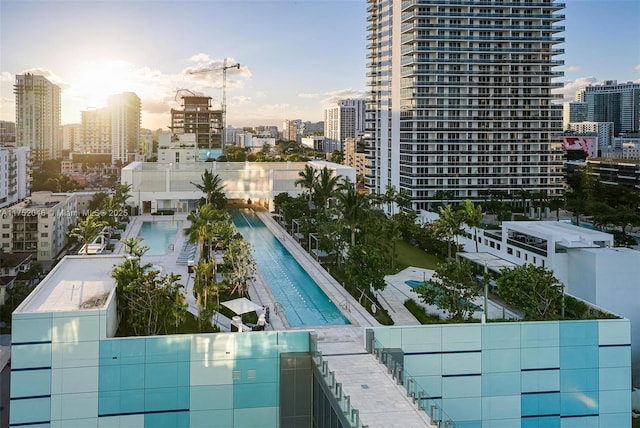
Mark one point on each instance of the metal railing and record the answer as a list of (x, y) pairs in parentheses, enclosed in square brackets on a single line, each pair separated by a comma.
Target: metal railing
[(418, 395)]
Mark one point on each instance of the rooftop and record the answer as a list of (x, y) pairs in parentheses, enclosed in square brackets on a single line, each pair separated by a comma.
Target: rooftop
[(567, 234), (76, 283)]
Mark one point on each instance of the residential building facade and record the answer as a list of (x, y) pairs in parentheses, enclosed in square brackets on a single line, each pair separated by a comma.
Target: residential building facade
[(355, 158), (460, 98), (126, 114), (615, 102), (15, 174), (38, 225), (95, 132), (7, 131), (343, 120), (574, 111), (38, 116), (604, 131), (72, 137)]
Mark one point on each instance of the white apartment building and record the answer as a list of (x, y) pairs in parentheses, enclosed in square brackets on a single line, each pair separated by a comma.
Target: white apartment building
[(573, 111), (38, 225), (316, 142), (95, 132), (15, 174), (584, 260), (38, 116), (72, 137), (342, 121), (177, 148), (126, 114), (604, 130), (610, 101), (460, 97)]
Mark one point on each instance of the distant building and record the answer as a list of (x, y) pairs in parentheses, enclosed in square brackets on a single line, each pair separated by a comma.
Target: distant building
[(197, 117), (7, 132), (574, 111), (354, 158), (38, 116), (125, 110), (72, 137), (312, 128), (38, 225), (15, 174), (625, 172), (316, 142), (604, 131), (291, 130), (610, 101), (177, 148), (267, 131), (254, 142), (13, 267), (95, 132), (342, 121)]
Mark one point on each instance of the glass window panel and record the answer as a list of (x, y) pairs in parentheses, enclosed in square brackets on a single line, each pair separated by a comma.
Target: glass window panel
[(500, 336), (421, 365), (578, 333), (132, 351), (30, 383), (161, 375), (615, 378), (421, 339), (461, 337), (541, 404), (615, 419), (31, 329), (109, 378), (297, 341), (579, 380), (432, 385), (615, 356), (463, 409), (462, 386), (167, 420), (500, 384), (30, 410), (211, 397), (165, 399), (614, 332), (544, 422), (615, 401), (255, 395), (132, 376), (578, 357), (464, 363), (30, 356), (584, 422), (266, 369), (505, 407), (264, 344), (579, 403), (540, 334), (540, 381), (167, 349), (540, 358), (500, 360)]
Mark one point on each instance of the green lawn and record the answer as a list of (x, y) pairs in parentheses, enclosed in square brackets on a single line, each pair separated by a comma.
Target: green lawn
[(410, 255)]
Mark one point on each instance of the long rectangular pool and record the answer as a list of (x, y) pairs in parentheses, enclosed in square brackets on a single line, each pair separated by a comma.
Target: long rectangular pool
[(158, 235), (302, 300)]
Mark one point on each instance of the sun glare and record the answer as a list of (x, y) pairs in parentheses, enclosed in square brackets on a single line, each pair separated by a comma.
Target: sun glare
[(95, 82)]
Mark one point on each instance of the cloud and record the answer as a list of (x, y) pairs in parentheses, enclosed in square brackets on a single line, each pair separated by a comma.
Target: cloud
[(568, 91), (5, 76), (573, 68), (637, 67), (341, 94), (308, 95)]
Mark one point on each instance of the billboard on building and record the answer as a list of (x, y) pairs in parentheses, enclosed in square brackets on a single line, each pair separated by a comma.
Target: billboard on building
[(589, 145)]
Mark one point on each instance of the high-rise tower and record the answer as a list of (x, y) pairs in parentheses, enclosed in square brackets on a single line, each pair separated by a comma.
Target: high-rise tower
[(460, 97), (37, 116), (125, 112), (615, 102)]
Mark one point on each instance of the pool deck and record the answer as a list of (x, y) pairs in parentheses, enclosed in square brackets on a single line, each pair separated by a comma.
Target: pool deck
[(381, 402)]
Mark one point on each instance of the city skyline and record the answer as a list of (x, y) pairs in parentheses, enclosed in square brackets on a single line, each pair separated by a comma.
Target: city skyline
[(281, 77)]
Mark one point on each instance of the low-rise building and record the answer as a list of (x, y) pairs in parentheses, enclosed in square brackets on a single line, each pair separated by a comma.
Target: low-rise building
[(174, 148), (38, 225), (15, 174)]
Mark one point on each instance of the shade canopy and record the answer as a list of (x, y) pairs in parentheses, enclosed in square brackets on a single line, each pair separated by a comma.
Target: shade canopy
[(242, 305)]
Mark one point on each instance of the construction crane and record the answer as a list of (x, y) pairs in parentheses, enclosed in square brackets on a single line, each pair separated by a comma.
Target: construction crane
[(224, 69)]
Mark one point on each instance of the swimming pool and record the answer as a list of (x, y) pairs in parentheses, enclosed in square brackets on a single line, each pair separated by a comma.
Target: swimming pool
[(413, 284), (158, 235), (303, 302)]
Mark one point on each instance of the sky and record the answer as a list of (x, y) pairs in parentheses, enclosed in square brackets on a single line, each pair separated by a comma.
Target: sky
[(296, 56)]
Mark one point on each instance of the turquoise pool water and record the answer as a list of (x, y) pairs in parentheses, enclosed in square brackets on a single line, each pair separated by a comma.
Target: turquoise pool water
[(158, 235), (303, 301), (413, 284)]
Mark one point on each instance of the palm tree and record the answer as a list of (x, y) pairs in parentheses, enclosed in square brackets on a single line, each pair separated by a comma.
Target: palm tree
[(473, 218), (201, 229), (325, 186), (353, 209), (213, 189), (307, 179), (87, 230), (449, 223)]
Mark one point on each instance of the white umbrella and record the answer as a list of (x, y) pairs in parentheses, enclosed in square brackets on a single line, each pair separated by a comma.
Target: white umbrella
[(242, 305)]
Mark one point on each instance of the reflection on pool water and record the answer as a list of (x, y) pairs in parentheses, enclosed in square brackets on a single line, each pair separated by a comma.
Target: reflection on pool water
[(303, 302), (158, 236)]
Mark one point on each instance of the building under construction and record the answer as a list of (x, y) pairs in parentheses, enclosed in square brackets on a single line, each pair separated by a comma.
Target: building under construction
[(197, 117)]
